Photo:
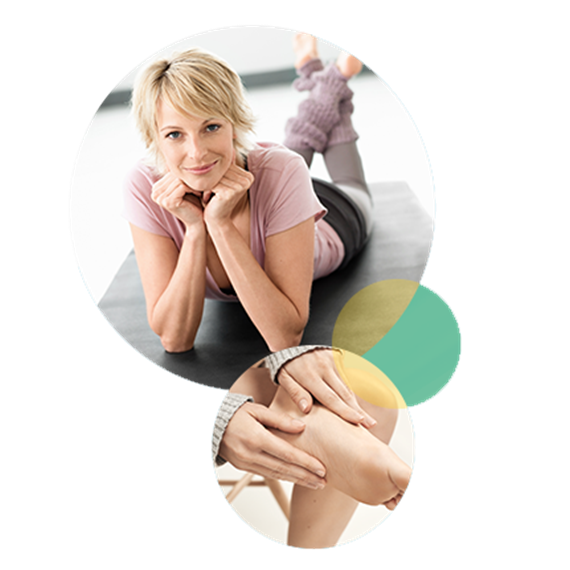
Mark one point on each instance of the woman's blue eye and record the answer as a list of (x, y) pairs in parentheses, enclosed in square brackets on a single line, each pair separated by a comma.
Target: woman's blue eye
[(173, 135), (212, 128)]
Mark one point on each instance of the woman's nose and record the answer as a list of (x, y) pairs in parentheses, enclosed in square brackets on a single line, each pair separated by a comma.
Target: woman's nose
[(196, 149)]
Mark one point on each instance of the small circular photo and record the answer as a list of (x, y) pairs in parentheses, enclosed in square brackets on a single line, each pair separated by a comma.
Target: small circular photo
[(313, 446)]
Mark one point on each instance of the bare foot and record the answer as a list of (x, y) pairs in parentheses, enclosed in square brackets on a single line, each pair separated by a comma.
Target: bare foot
[(357, 463), (348, 64), (305, 48)]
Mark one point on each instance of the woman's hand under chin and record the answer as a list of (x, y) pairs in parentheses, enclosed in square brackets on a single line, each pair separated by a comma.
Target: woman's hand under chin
[(220, 203), (174, 196)]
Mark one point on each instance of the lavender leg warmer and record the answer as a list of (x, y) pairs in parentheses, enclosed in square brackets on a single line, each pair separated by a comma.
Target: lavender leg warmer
[(321, 111), (343, 132), (304, 81)]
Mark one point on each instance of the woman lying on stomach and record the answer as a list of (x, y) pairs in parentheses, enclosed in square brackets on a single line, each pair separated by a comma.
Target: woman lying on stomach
[(215, 216)]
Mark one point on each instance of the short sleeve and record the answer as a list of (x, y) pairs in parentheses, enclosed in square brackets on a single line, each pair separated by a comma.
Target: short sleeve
[(293, 197), (138, 207)]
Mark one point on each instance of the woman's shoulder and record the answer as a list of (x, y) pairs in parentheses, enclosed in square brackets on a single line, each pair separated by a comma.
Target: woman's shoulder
[(141, 210), (282, 194), (140, 178), (273, 157)]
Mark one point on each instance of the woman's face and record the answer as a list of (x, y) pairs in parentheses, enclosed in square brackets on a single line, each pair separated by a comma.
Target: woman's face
[(199, 151)]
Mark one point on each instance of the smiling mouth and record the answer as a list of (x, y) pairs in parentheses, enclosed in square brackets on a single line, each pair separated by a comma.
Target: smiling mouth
[(201, 169)]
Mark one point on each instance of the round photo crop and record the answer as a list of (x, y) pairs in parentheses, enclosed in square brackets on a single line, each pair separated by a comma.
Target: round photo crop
[(236, 190), (313, 469)]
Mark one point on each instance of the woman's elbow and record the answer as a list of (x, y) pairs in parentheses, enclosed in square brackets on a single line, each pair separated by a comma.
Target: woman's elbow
[(287, 339), (172, 340), (176, 345)]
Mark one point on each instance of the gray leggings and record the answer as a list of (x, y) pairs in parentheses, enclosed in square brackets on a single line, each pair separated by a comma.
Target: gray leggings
[(323, 124), (347, 199)]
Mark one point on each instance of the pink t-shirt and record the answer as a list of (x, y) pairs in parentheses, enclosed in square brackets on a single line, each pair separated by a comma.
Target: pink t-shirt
[(281, 197)]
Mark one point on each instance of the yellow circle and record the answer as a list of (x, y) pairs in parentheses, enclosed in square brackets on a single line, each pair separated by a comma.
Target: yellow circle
[(367, 381), (370, 314)]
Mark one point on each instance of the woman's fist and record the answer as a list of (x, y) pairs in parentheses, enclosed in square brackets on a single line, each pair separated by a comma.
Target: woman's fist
[(171, 194), (227, 194)]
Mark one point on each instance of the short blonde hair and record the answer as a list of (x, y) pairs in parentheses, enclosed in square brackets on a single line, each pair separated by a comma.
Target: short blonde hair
[(194, 82)]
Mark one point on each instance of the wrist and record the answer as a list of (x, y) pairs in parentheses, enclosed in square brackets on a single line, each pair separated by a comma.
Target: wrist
[(195, 230), (219, 227), (277, 360), (230, 405)]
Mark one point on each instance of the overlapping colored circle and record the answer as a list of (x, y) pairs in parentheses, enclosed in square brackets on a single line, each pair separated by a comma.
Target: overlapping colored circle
[(367, 381), (406, 331)]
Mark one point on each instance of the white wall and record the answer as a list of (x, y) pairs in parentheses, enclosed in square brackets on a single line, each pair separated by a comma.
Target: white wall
[(271, 50)]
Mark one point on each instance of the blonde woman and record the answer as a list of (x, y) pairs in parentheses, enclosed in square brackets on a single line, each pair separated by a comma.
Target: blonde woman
[(214, 215)]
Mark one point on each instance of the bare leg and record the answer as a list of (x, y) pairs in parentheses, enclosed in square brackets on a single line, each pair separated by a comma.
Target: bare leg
[(318, 518), (256, 382), (360, 468)]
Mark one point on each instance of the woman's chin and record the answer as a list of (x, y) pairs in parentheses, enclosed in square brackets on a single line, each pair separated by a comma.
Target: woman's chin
[(199, 185)]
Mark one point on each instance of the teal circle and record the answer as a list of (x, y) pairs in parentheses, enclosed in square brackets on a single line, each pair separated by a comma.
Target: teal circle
[(421, 351)]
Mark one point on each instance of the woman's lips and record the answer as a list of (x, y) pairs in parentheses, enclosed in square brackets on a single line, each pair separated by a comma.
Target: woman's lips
[(201, 169)]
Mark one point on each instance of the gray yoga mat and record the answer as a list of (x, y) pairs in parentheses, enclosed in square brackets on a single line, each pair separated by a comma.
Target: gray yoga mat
[(228, 343)]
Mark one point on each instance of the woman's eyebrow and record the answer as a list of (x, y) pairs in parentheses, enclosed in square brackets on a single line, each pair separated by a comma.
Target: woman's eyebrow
[(168, 127)]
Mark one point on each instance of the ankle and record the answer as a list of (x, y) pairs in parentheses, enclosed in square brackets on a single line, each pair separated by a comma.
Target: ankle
[(348, 65), (305, 48)]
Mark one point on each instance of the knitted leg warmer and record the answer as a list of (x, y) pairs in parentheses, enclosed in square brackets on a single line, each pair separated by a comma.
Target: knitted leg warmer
[(320, 112), (343, 131), (304, 81)]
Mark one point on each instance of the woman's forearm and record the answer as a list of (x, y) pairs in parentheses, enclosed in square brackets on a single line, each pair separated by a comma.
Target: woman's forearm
[(177, 313), (274, 314)]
